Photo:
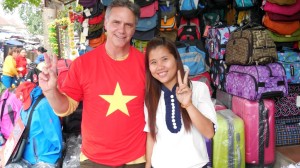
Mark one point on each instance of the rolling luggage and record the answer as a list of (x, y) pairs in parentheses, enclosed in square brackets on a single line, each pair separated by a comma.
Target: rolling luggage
[(224, 97), (259, 122), (257, 81), (229, 141)]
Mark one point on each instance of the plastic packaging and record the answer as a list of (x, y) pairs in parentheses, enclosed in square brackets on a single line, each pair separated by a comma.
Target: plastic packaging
[(72, 153)]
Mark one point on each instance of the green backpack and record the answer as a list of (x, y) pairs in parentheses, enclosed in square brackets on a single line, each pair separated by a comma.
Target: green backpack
[(139, 44)]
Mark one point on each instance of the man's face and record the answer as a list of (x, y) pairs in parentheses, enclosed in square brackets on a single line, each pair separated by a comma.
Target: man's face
[(120, 26)]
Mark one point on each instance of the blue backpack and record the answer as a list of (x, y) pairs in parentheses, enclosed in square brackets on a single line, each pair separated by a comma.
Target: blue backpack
[(190, 8)]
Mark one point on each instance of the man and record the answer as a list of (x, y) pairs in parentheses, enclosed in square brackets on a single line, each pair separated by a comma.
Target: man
[(110, 80)]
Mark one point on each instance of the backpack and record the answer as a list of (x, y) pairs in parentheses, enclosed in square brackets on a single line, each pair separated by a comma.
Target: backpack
[(190, 8), (32, 74), (63, 65), (72, 122), (167, 15), (217, 39), (10, 111), (139, 44), (189, 29), (193, 56)]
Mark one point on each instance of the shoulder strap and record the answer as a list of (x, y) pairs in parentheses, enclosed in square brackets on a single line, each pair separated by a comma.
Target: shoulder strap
[(2, 109), (66, 62), (26, 132)]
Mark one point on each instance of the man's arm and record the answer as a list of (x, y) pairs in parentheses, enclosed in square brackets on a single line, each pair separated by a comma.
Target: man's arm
[(58, 101), (48, 83)]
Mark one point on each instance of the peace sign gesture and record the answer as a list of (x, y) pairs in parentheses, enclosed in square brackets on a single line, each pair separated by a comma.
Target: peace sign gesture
[(48, 76), (183, 92)]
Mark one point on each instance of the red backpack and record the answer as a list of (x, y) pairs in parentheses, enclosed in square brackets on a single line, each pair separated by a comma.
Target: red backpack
[(63, 65)]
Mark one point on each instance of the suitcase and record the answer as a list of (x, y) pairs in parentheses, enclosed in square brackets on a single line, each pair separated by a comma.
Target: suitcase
[(224, 97), (218, 105), (229, 141), (259, 122), (287, 130)]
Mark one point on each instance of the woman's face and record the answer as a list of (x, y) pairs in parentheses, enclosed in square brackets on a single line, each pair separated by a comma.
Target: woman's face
[(15, 54), (163, 66), (23, 53)]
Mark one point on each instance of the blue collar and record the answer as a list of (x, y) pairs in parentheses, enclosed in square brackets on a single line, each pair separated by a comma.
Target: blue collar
[(173, 115)]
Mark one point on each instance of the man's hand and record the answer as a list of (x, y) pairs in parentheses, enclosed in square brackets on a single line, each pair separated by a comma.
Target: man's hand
[(48, 76)]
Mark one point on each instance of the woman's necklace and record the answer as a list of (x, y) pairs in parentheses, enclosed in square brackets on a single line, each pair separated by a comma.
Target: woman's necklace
[(117, 59), (173, 115)]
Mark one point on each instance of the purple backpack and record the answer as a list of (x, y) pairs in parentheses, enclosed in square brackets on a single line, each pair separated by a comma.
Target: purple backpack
[(10, 111), (216, 41), (256, 81)]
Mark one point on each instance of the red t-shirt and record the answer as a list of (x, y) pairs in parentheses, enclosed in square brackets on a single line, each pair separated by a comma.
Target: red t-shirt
[(113, 105), (21, 64)]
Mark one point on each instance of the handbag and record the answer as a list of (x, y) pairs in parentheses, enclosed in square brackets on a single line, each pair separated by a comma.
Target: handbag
[(18, 152)]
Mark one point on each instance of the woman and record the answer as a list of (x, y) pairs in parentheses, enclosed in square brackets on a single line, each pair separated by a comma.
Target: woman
[(180, 113), (40, 57), (10, 72), (21, 62)]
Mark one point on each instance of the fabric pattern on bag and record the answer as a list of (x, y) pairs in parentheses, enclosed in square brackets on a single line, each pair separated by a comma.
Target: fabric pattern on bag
[(10, 107), (257, 81), (290, 60), (287, 130), (286, 106), (217, 40), (250, 46)]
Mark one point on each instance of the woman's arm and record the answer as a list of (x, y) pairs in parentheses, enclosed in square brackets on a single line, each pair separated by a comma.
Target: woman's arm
[(201, 123), (149, 149)]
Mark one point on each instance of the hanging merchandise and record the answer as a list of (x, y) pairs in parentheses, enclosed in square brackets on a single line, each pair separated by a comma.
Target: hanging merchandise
[(290, 60), (190, 8), (248, 46)]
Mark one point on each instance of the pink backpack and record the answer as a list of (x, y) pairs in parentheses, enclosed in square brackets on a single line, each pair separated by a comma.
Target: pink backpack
[(10, 107)]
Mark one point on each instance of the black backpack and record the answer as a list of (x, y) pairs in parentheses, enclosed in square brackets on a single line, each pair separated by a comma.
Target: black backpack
[(72, 122)]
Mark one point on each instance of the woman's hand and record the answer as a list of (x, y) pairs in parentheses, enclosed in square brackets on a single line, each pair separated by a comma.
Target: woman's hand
[(183, 92)]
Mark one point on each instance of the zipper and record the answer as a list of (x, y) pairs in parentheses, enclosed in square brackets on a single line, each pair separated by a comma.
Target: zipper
[(35, 150)]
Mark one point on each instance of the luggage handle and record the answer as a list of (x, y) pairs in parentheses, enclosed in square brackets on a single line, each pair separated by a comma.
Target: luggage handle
[(261, 150), (266, 114), (238, 150), (250, 25)]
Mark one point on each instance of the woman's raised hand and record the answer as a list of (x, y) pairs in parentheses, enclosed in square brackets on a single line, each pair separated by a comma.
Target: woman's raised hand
[(183, 92)]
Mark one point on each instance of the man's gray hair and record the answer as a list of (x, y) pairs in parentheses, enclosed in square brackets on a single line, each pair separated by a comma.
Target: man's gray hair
[(124, 3)]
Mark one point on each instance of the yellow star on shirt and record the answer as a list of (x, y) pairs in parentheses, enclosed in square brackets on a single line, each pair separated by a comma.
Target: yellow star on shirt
[(117, 101)]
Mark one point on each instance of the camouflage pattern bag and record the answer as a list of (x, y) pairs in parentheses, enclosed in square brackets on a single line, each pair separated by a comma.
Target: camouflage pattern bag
[(250, 46)]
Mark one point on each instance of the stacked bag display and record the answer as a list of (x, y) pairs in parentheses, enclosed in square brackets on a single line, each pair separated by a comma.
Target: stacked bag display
[(251, 73), (288, 117), (282, 20), (93, 24), (146, 28)]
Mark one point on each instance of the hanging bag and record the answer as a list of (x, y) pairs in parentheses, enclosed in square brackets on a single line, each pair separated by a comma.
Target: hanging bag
[(19, 150)]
